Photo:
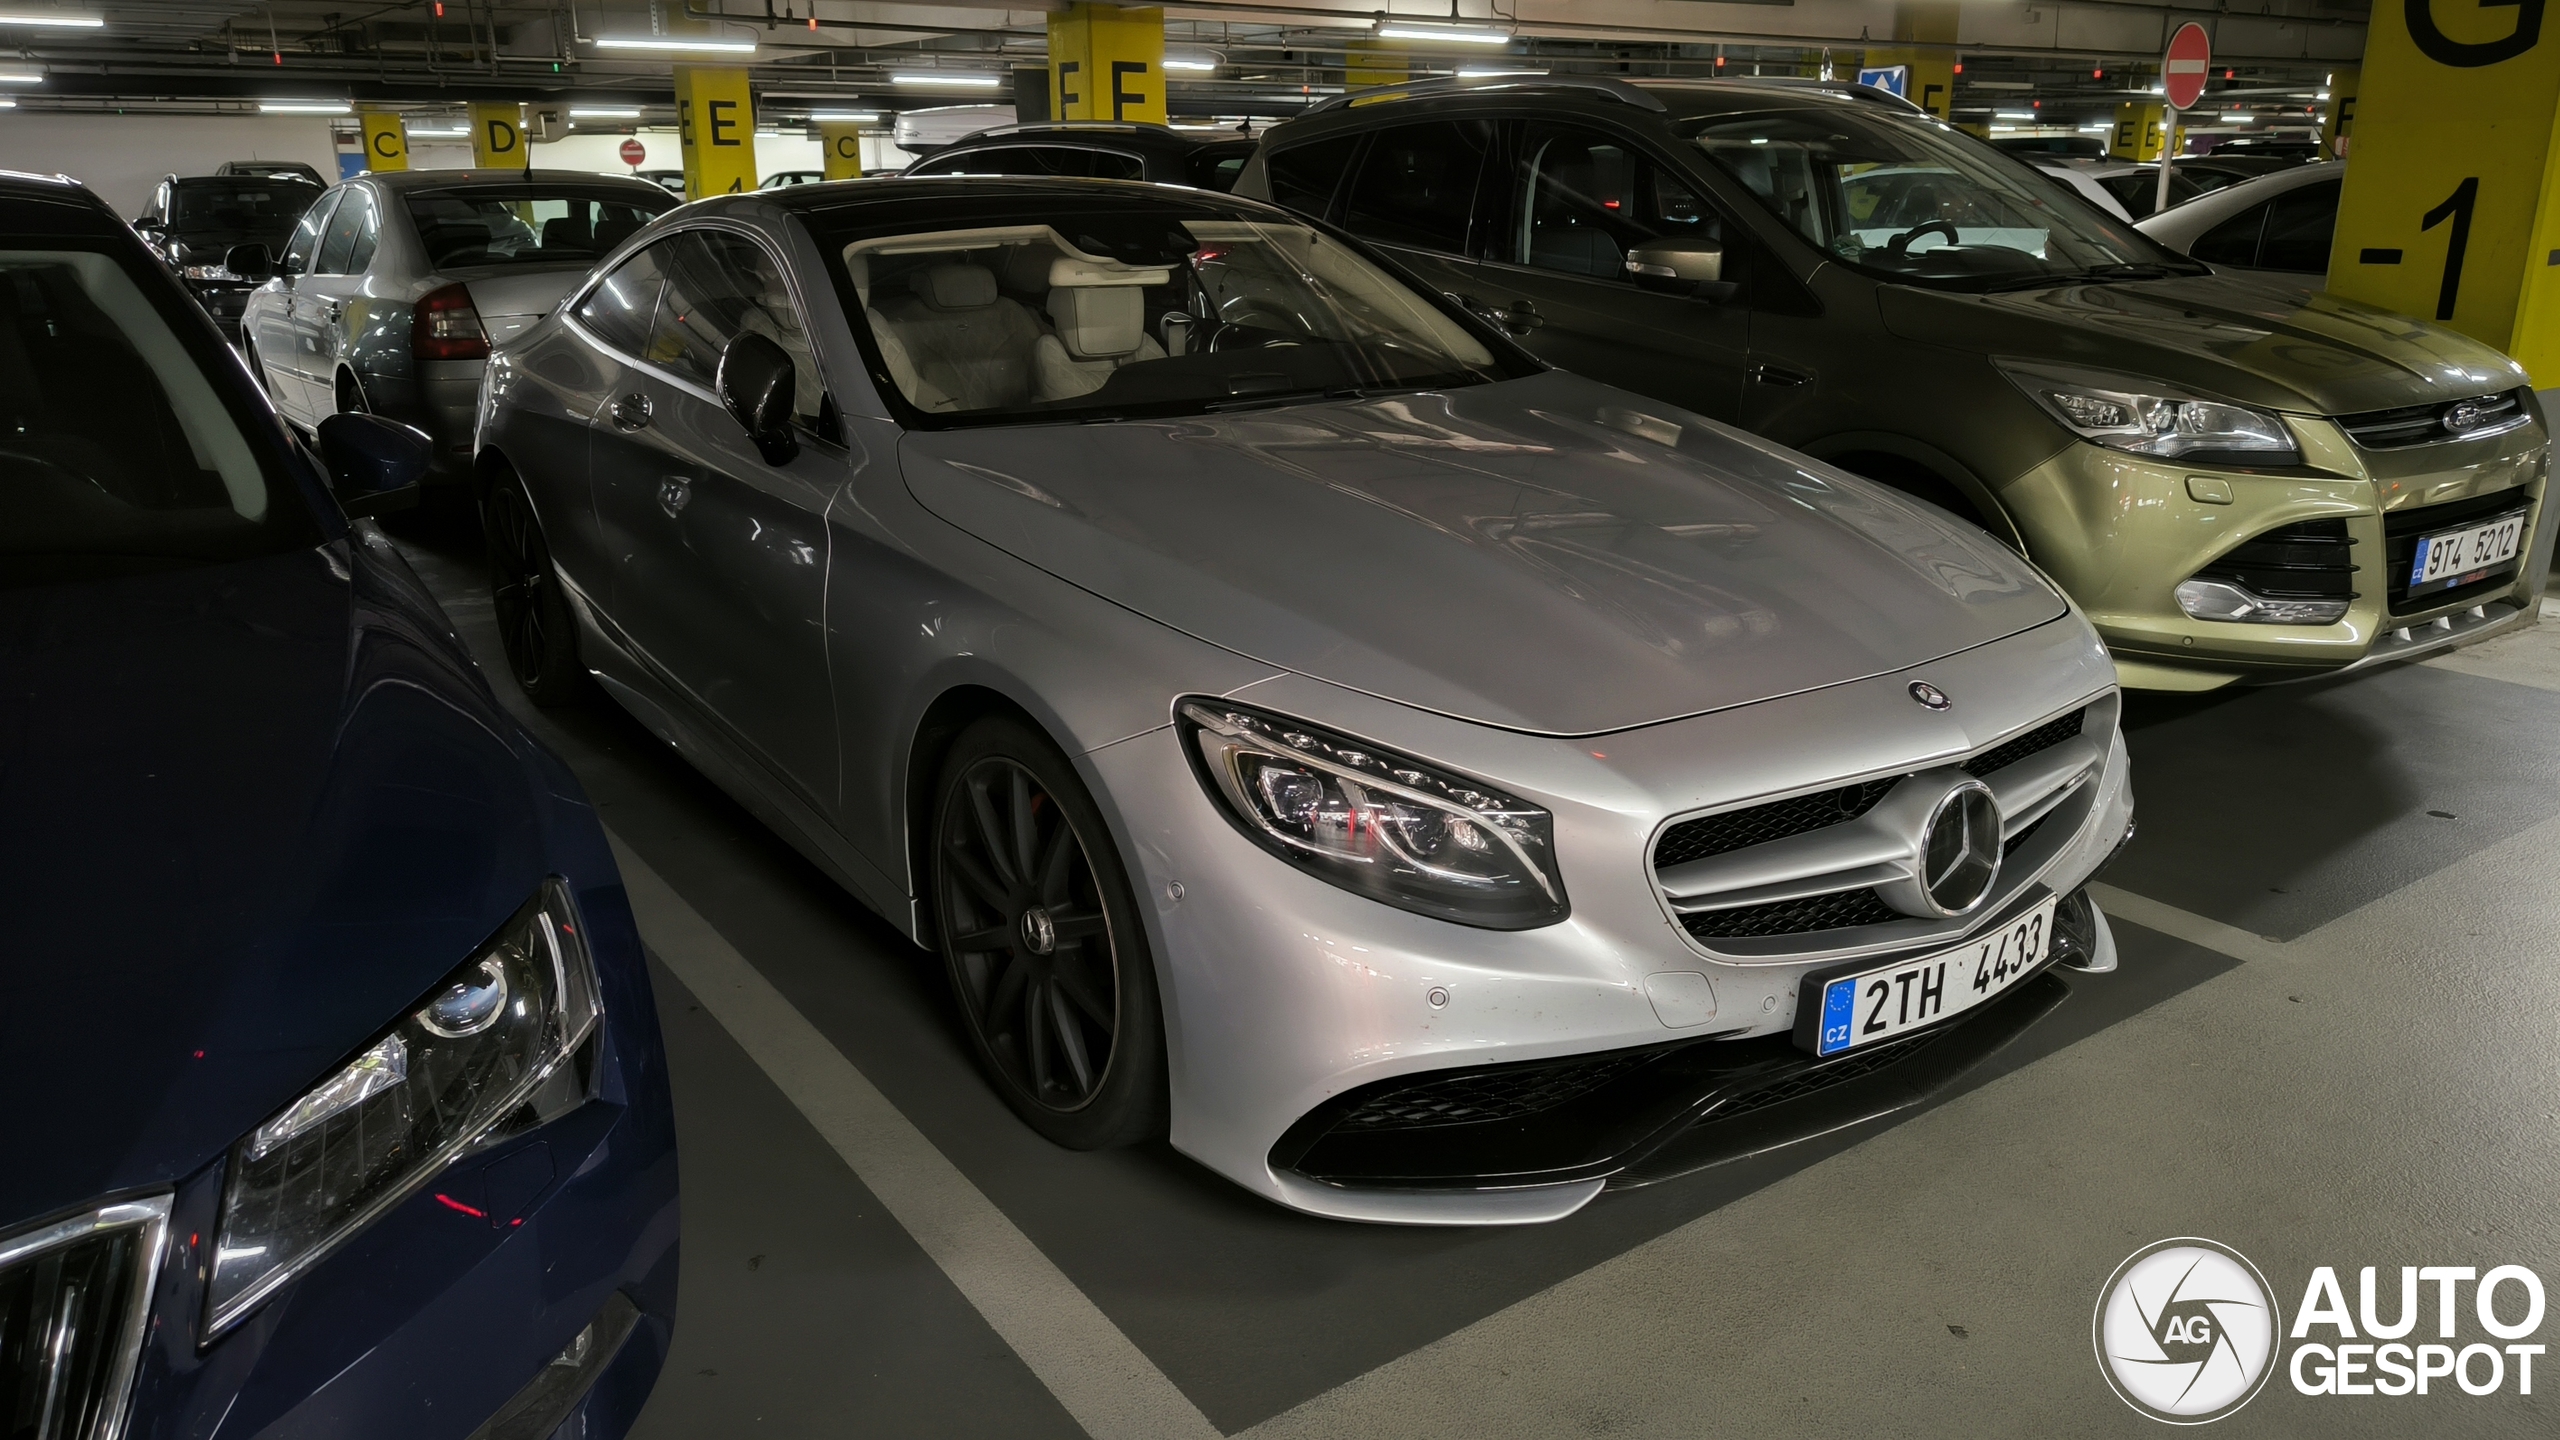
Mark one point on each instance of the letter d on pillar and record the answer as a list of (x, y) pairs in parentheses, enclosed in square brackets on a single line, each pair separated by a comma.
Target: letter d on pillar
[(497, 137), (2451, 208)]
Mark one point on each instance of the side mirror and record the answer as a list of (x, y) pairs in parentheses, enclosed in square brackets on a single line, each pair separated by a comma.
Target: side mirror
[(252, 261), (1681, 267), (374, 464), (756, 384), (150, 224)]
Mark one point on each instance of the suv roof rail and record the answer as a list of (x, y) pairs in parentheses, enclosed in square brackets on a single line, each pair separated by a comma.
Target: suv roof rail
[(1098, 126), (1851, 89), (1618, 90)]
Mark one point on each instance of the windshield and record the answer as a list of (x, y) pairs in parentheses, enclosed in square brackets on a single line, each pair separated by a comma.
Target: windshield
[(526, 224), (260, 207), (1913, 201), (1131, 312), (118, 452)]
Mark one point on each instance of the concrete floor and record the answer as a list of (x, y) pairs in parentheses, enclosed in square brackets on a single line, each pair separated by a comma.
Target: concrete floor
[(2330, 1043)]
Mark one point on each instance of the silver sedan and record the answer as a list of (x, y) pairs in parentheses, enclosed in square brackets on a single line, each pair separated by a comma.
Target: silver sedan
[(389, 293), (1428, 787)]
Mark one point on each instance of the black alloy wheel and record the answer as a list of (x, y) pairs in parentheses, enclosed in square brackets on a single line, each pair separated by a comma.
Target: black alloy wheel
[(1048, 963), (534, 624)]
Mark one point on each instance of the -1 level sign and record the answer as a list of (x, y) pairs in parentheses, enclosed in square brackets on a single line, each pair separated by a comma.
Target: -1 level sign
[(2182, 74), (633, 152)]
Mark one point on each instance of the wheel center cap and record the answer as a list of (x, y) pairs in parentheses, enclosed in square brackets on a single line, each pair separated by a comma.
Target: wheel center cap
[(1039, 932)]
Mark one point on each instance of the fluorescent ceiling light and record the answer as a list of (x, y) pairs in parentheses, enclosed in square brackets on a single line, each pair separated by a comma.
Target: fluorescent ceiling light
[(66, 22), (7, 104), (305, 107), (956, 80), (858, 117), (576, 113), (1191, 62), (2014, 115), (1481, 72), (438, 134), (703, 44), (2238, 119), (21, 77), (2320, 95), (1400, 30), (2100, 128)]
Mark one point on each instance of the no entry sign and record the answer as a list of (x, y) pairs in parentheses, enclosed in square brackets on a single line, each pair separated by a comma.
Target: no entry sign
[(2182, 74), (633, 152)]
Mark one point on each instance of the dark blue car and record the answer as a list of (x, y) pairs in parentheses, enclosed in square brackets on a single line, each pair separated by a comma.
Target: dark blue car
[(332, 1100)]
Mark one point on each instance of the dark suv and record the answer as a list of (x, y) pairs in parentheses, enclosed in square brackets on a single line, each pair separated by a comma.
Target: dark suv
[(1097, 150), (2234, 480), (193, 222)]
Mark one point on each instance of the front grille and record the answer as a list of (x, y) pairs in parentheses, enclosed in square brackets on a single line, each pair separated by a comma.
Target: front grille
[(1759, 824), (1504, 1094), (1852, 1066), (2009, 752), (2406, 425), (1836, 911), (2307, 560), (2400, 532), (72, 1301)]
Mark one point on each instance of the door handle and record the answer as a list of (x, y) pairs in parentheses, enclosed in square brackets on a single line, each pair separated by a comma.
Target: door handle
[(334, 309), (1779, 376), (1520, 319), (631, 412), (674, 493)]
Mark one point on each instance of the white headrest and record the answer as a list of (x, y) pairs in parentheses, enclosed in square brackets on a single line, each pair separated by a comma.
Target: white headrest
[(956, 287), (1098, 322), (1068, 271)]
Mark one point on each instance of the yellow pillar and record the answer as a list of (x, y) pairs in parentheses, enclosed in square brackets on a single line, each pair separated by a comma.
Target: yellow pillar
[(2451, 209), (1366, 63), (386, 140), (2338, 116), (1930, 82), (1106, 63), (715, 129), (842, 145), (497, 137), (2140, 132)]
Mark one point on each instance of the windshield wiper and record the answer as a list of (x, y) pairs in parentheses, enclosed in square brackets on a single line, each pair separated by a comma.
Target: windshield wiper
[(2095, 274)]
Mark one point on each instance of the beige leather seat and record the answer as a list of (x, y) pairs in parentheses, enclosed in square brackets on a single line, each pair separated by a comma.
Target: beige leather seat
[(965, 346), (1100, 329)]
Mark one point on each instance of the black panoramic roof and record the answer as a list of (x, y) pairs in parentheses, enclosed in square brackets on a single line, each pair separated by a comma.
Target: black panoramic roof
[(970, 199)]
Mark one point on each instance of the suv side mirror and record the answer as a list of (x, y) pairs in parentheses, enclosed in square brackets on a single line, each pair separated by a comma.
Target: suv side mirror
[(1682, 267), (150, 224), (250, 261), (756, 383), (374, 464)]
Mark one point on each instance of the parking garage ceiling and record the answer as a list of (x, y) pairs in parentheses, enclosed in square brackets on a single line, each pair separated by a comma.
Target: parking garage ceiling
[(1263, 58)]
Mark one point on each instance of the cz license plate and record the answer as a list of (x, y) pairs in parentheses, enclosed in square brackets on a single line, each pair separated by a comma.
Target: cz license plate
[(1897, 999), (2457, 557)]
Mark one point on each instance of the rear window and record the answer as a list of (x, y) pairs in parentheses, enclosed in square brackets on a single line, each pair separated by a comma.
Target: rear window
[(1304, 177), (526, 224), (239, 204), (119, 454)]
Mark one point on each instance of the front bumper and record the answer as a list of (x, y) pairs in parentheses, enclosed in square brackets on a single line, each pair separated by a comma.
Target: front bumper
[(436, 1322), (1285, 994), (2120, 531)]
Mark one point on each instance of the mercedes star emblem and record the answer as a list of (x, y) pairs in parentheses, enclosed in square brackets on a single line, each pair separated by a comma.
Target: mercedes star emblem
[(1930, 695)]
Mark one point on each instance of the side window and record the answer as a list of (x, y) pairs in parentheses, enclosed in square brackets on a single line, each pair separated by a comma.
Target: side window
[(1587, 198), (345, 223), (1214, 169), (1111, 165), (298, 251), (2300, 224), (368, 233), (1015, 160), (1303, 178), (619, 309), (1417, 186), (2234, 241), (721, 286)]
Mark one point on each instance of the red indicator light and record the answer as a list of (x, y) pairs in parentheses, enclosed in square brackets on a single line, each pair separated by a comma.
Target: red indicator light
[(450, 1203)]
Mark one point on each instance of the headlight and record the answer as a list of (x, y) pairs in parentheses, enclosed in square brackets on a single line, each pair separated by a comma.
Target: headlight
[(489, 1046), (207, 272), (2147, 418), (1385, 825)]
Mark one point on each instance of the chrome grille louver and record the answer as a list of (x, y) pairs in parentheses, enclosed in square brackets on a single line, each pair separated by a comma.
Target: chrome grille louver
[(74, 1297), (2438, 421), (1824, 886)]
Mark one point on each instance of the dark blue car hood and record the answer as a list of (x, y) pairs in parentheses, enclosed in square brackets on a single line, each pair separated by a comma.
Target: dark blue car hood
[(248, 814)]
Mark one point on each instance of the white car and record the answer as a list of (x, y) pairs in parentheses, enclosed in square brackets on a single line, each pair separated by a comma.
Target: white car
[(2279, 224)]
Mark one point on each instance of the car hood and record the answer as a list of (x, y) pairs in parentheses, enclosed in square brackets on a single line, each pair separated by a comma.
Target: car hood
[(249, 813), (1547, 555), (2259, 342)]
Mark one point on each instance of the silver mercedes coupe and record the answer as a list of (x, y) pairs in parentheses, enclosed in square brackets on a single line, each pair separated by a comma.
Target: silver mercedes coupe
[(1428, 787)]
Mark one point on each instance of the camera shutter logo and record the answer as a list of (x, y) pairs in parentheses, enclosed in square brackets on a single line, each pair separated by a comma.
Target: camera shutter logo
[(2185, 1331)]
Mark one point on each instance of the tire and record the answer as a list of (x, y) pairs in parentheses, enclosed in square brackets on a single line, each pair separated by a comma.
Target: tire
[(535, 625), (1071, 1035)]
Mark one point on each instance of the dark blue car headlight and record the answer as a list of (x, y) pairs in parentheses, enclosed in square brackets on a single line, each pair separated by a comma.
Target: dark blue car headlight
[(487, 1051)]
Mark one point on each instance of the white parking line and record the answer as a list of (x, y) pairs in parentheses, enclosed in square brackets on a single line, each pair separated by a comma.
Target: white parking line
[(1111, 1388), (2185, 925)]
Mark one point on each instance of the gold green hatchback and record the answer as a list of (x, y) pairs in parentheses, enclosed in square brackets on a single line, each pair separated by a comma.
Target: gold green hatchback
[(2237, 479)]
